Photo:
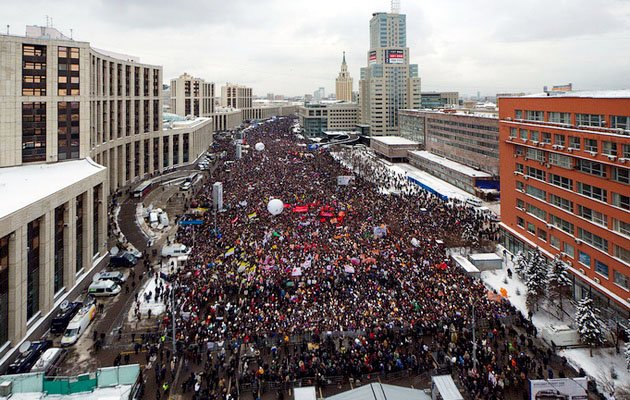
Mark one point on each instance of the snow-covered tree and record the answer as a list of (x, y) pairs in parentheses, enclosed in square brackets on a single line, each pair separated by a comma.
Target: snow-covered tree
[(536, 273), (559, 282), (521, 262), (590, 327), (627, 352)]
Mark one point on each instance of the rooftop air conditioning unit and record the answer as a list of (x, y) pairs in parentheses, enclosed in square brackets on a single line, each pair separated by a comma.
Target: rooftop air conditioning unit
[(622, 160), (578, 241), (6, 388), (560, 147), (548, 165), (612, 158), (592, 153), (596, 280), (550, 226), (569, 149), (526, 177), (563, 254), (582, 271)]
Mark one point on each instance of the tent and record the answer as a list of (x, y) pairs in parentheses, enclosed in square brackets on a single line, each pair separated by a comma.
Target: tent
[(380, 391)]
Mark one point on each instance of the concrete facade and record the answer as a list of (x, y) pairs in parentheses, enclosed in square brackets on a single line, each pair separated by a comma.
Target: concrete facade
[(389, 82), (331, 116), (343, 83), (191, 96), (435, 100)]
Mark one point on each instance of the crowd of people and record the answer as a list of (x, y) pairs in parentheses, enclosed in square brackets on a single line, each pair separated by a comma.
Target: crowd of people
[(348, 281)]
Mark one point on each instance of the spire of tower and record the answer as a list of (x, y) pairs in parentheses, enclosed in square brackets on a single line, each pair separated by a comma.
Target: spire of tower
[(344, 58)]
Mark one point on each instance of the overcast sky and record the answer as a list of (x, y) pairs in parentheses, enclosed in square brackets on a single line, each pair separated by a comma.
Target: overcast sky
[(293, 47)]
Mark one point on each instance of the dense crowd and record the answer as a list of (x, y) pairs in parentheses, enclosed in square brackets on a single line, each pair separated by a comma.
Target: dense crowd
[(348, 280)]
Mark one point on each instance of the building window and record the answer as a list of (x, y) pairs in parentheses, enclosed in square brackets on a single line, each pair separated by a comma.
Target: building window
[(584, 258), (622, 253), (621, 201), (79, 232), (559, 117), (621, 227), (592, 215), (519, 168), (620, 122), (33, 70), (535, 154), (32, 257), (166, 150), (185, 150), (620, 279), (97, 203), (546, 137), (559, 139), (537, 212), (531, 228), (593, 239), (592, 191), (33, 132), (535, 135), (175, 149), (609, 148), (523, 134), (574, 142), (591, 167), (590, 145), (560, 160), (4, 290), (518, 114), (535, 115), (536, 173), (554, 242), (520, 222), (621, 174), (537, 193), (156, 154), (59, 247), (589, 119), (562, 224), (513, 132), (520, 204), (561, 181), (542, 234), (68, 135), (68, 71), (601, 268), (625, 153), (569, 250)]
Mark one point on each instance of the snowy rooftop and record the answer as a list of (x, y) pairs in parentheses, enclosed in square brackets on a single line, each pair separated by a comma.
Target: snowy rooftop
[(26, 184), (454, 165), (458, 112), (485, 256), (602, 94), (394, 140), (440, 186)]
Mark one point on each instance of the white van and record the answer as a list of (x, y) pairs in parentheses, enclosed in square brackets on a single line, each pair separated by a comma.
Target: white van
[(79, 324), (175, 250), (185, 186), (104, 288), (473, 201), (49, 360), (115, 276)]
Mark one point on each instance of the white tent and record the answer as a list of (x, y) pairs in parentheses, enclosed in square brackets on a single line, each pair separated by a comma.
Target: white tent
[(380, 391)]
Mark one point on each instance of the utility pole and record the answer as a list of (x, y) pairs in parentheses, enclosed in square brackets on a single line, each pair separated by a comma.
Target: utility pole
[(173, 317), (474, 338)]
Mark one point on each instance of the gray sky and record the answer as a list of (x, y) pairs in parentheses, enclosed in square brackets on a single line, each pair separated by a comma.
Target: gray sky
[(294, 47)]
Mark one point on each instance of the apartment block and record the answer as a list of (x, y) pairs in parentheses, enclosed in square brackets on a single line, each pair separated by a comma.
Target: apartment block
[(191, 96)]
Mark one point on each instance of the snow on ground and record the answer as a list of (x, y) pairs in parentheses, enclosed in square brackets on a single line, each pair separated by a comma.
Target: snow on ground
[(603, 359), (157, 307)]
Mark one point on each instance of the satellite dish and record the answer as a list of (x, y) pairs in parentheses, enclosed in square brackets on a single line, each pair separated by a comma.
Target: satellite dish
[(64, 304), (96, 277), (24, 347)]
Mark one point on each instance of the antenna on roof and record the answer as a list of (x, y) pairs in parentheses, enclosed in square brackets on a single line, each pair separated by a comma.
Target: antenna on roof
[(8, 28), (71, 34), (47, 21), (395, 6)]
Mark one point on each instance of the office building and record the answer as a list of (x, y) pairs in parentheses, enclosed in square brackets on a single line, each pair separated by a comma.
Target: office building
[(236, 96), (319, 94), (191, 96), (435, 100), (471, 139), (316, 118), (388, 83), (343, 83), (76, 124), (565, 161)]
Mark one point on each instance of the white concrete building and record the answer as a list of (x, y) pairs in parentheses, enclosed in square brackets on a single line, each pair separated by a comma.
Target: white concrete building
[(192, 96)]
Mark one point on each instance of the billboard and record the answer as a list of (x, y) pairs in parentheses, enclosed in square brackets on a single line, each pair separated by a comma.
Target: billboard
[(344, 180), (395, 56), (372, 57), (558, 389)]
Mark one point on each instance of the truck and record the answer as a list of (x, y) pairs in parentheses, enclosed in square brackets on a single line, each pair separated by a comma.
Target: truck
[(78, 325)]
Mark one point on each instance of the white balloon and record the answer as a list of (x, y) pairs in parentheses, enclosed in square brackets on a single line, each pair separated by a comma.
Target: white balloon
[(260, 146), (275, 206)]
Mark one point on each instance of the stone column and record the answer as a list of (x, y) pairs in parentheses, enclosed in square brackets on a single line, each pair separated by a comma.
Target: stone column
[(17, 284), (70, 244), (46, 262), (88, 229)]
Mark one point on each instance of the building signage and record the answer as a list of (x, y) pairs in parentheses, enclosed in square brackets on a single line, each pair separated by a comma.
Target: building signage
[(395, 56), (558, 389), (372, 57)]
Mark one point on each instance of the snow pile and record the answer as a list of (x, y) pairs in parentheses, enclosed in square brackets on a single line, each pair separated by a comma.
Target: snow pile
[(147, 299)]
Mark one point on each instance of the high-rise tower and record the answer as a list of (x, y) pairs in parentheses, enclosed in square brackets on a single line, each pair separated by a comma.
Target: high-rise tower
[(343, 83), (388, 83)]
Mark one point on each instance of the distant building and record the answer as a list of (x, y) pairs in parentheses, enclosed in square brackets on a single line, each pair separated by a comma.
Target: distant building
[(319, 94), (191, 96), (470, 139), (343, 83), (388, 82), (434, 100), (332, 116), (270, 96), (236, 96), (566, 186)]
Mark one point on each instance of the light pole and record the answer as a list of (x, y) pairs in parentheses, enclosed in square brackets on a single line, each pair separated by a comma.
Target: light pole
[(474, 338)]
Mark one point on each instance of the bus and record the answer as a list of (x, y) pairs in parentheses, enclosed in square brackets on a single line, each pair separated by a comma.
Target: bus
[(142, 189)]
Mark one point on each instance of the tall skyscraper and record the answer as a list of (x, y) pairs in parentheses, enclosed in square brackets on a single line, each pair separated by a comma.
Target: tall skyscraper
[(343, 83), (389, 82)]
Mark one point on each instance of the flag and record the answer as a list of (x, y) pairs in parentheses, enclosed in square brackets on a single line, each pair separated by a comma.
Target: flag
[(349, 269), (252, 215), (297, 271), (230, 252)]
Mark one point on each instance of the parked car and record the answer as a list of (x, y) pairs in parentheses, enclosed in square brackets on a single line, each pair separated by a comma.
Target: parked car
[(185, 186), (49, 361), (115, 276), (123, 259), (175, 250), (29, 357), (63, 317), (104, 288)]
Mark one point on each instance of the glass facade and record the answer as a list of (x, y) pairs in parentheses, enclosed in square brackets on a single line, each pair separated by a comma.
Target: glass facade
[(68, 71), (33, 70), (32, 256), (68, 136), (59, 246), (33, 132)]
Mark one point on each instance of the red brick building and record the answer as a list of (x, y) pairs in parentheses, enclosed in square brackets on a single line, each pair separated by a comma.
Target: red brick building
[(564, 168)]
